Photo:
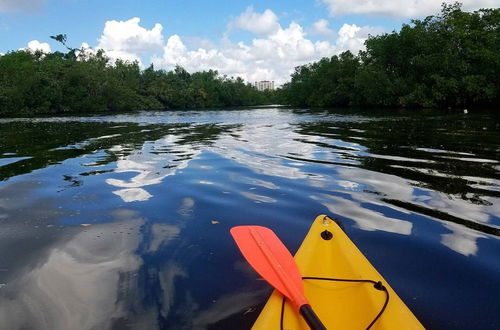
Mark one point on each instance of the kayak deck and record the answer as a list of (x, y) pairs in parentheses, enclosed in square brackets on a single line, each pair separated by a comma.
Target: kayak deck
[(339, 304)]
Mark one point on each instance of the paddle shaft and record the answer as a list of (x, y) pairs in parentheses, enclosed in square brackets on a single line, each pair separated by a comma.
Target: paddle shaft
[(311, 318)]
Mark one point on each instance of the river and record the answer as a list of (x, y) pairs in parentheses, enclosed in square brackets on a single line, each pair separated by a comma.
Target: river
[(122, 221)]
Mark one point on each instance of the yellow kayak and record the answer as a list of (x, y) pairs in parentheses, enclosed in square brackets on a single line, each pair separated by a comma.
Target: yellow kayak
[(343, 288)]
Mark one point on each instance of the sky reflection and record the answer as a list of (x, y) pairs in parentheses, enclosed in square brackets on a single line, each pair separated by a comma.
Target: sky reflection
[(106, 225), (153, 162), (365, 219), (81, 283), (461, 240)]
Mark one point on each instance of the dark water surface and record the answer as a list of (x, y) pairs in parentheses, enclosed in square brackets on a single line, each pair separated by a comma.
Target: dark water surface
[(121, 222)]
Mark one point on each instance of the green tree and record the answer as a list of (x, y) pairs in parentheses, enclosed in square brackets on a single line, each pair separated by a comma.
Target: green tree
[(448, 60)]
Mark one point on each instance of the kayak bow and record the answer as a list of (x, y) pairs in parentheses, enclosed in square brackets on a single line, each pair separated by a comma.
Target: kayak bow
[(340, 284)]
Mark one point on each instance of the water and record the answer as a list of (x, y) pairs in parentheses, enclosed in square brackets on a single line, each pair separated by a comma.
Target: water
[(122, 221)]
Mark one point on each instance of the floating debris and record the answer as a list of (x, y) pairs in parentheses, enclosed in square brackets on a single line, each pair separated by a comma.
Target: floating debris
[(249, 310)]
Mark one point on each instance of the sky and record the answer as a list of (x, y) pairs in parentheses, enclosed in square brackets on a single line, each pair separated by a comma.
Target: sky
[(256, 40)]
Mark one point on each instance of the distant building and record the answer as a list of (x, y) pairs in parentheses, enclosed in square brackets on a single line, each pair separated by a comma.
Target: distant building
[(264, 84)]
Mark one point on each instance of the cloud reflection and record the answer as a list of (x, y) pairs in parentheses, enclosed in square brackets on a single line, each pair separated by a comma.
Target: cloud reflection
[(261, 147), (389, 185), (226, 306), (462, 239), (162, 233), (459, 207), (151, 166), (187, 206), (133, 194), (251, 148), (167, 276), (81, 283), (365, 219), (258, 198)]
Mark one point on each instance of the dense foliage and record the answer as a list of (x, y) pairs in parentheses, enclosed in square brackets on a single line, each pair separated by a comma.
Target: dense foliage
[(79, 82), (448, 60)]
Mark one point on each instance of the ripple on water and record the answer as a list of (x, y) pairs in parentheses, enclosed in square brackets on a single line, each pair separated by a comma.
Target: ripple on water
[(126, 217)]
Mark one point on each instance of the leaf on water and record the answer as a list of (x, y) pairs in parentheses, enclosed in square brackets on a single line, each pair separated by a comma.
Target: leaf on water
[(214, 222)]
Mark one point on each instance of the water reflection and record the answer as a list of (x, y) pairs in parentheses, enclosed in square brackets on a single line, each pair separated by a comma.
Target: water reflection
[(153, 162), (395, 188), (378, 183), (261, 147), (11, 160), (364, 218), (227, 306), (158, 192), (461, 240), (258, 198), (187, 206), (387, 151), (161, 234), (82, 283)]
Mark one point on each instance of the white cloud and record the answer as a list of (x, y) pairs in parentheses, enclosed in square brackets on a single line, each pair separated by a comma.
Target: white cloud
[(271, 55), (175, 51), (20, 5), (85, 51), (128, 40), (197, 42), (399, 8), (261, 24), (353, 37), (35, 45), (321, 28)]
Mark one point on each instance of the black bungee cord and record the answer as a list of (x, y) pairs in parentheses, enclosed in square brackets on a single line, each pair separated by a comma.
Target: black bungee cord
[(376, 284), (327, 235)]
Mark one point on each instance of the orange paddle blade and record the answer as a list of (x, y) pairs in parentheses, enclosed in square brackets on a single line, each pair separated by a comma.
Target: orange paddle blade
[(265, 252)]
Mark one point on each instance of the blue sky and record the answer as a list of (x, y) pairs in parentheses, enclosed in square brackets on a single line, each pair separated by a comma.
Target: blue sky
[(256, 40)]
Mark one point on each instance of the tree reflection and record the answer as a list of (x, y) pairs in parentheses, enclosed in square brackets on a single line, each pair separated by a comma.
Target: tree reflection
[(408, 146), (445, 155), (48, 143)]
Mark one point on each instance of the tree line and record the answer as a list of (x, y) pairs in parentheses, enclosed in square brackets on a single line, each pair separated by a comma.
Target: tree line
[(448, 60), (35, 83)]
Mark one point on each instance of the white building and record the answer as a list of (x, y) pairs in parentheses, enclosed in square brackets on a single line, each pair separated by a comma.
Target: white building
[(264, 84)]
